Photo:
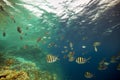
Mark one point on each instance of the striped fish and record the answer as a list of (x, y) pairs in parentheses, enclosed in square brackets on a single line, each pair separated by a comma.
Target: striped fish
[(51, 59), (81, 60)]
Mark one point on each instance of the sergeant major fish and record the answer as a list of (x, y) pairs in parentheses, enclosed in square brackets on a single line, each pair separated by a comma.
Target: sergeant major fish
[(51, 59), (81, 60)]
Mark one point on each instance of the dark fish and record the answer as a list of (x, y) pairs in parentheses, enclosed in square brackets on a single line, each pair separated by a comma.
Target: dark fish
[(19, 30), (38, 39), (1, 8), (4, 34)]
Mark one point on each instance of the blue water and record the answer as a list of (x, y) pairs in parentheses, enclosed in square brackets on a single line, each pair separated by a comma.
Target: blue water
[(110, 45), (105, 29)]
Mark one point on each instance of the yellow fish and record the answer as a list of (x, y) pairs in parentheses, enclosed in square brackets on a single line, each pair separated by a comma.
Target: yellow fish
[(81, 60), (88, 75), (51, 59)]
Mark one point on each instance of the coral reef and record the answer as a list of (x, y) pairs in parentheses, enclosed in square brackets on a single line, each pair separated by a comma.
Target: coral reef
[(20, 69), (13, 75)]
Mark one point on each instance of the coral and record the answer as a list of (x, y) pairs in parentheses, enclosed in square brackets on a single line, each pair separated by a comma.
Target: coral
[(13, 75), (18, 68), (9, 61)]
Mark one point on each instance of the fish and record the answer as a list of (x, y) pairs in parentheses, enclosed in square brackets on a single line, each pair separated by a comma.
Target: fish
[(83, 46), (88, 75), (71, 54), (97, 43), (71, 45), (1, 8), (113, 59), (51, 58), (38, 39), (106, 63), (52, 44), (71, 59), (4, 34), (65, 46), (19, 30), (95, 48), (81, 60), (103, 65)]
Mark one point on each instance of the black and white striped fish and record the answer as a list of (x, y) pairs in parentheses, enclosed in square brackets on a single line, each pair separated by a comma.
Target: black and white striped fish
[(51, 58), (81, 60)]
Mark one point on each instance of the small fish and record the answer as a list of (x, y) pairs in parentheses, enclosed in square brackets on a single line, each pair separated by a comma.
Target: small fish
[(103, 65), (65, 46), (113, 59), (4, 34), (88, 75), (106, 63), (95, 48), (71, 54), (51, 59), (83, 46), (81, 60), (19, 30), (1, 8), (52, 44), (71, 59), (38, 40), (96, 43), (71, 44)]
